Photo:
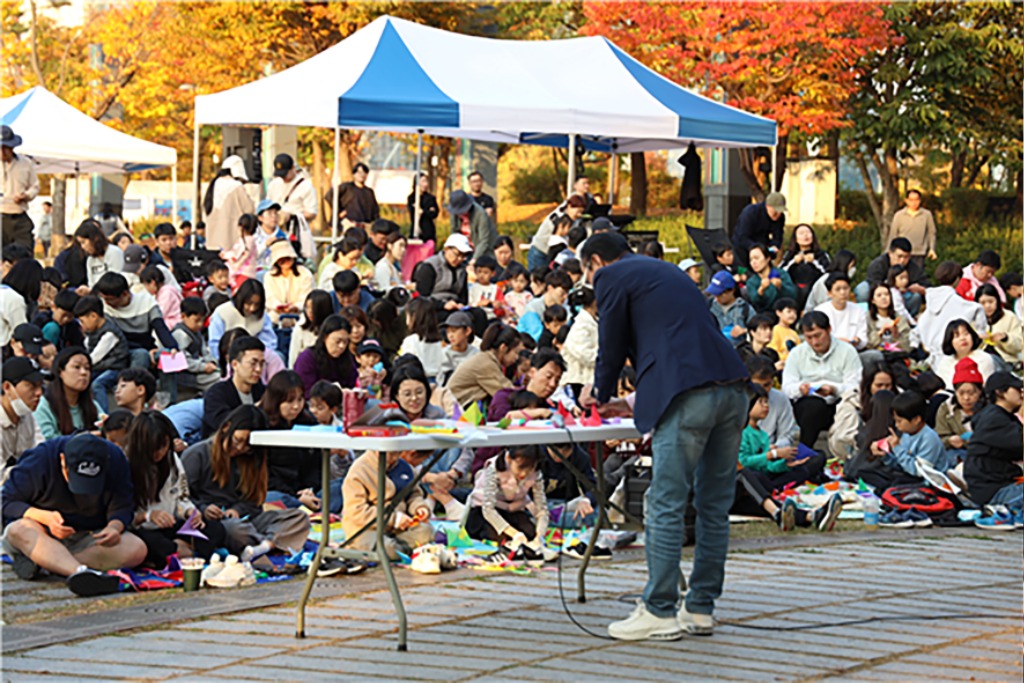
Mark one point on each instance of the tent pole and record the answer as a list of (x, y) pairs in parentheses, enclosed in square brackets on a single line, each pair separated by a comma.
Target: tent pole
[(334, 182), (611, 176), (570, 177), (416, 182), (74, 214), (196, 213)]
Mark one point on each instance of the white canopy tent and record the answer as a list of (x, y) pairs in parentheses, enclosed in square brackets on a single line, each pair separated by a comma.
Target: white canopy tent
[(61, 139), (400, 76)]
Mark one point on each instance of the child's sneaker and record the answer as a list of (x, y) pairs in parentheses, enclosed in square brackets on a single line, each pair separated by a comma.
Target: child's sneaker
[(787, 515), (231, 575), (211, 570), (1000, 521), (529, 555), (579, 549), (500, 557), (825, 516), (642, 625), (918, 518), (331, 566), (895, 519), (88, 582)]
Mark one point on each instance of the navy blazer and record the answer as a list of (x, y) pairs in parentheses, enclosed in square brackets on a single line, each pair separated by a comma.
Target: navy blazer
[(652, 313)]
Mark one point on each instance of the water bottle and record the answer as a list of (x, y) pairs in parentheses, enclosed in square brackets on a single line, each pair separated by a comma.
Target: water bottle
[(870, 505)]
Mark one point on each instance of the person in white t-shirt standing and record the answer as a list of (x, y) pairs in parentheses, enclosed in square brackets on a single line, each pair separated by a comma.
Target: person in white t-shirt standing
[(292, 189)]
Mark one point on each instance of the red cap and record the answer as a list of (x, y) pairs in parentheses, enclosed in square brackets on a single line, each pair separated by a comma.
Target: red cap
[(967, 371)]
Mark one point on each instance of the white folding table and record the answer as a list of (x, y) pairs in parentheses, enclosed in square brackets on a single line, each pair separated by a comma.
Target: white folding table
[(484, 437)]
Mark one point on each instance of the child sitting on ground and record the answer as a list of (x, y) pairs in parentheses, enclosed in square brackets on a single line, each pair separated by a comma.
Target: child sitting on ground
[(218, 275), (115, 427), (325, 400), (106, 344), (994, 453), (135, 389), (954, 416), (725, 259), (483, 293), (202, 371), (508, 505), (458, 333), (766, 468), (898, 281), (731, 312), (59, 327), (554, 319), (784, 336), (167, 297), (368, 355), (915, 440), (409, 526), (759, 336), (519, 294)]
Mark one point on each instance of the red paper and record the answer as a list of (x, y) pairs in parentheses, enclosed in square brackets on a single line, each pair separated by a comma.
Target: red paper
[(591, 418)]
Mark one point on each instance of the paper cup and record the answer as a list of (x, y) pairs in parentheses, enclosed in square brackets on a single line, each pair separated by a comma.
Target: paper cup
[(192, 569)]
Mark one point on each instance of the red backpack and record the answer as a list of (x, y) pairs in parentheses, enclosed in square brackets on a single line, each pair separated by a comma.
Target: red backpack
[(924, 498)]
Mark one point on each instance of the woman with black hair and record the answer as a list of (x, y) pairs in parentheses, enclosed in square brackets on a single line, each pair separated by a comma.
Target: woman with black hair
[(961, 341), (428, 211), (67, 405), (805, 260), (329, 358), (293, 473), (1004, 327), (580, 348), (227, 478), (844, 262), (26, 278), (386, 324), (102, 256), (248, 310), (504, 253), (855, 408), (162, 502), (316, 308), (71, 264), (479, 378)]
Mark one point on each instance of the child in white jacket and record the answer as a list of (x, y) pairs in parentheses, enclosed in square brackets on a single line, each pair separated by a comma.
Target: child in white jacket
[(580, 350)]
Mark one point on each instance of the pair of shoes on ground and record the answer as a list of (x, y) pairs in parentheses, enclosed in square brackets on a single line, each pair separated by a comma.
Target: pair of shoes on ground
[(578, 549), (432, 558), (642, 625), (531, 555), (905, 519), (334, 566), (229, 573), (822, 518), (1000, 518)]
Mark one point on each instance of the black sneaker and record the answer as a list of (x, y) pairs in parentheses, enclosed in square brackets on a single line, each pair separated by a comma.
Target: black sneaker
[(89, 582), (534, 558), (579, 549), (24, 568), (825, 516), (331, 567), (354, 566), (500, 556)]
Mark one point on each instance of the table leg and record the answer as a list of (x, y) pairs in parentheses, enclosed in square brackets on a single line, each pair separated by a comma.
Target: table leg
[(325, 537), (581, 595), (396, 597)]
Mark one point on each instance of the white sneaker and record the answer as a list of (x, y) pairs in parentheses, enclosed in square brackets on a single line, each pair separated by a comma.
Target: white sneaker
[(642, 625), (448, 558), (695, 624), (232, 575), (216, 566), (426, 560)]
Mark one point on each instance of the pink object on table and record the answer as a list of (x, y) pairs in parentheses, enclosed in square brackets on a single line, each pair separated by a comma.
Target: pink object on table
[(415, 253)]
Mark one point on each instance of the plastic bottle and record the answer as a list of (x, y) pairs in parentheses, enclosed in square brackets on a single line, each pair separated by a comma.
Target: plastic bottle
[(870, 505)]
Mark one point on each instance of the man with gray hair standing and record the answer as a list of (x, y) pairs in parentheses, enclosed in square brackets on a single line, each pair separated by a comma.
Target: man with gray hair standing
[(20, 186), (761, 223)]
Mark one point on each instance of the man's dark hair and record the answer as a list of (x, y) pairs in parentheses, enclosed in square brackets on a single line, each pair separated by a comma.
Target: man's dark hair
[(345, 282), (346, 246), (610, 246), (141, 377), (545, 356), (118, 419), (909, 405), (756, 393), (111, 284), (990, 258), (163, 229), (576, 236), (474, 173), (152, 274), (901, 243), (572, 266), (555, 313), (240, 346), (488, 262), (215, 266), (193, 305), (948, 273), (917, 192), (523, 399), (66, 299), (784, 303), (88, 304), (361, 167), (328, 392), (1011, 279), (761, 320), (558, 278), (382, 226), (13, 253), (833, 278), (759, 366), (814, 319)]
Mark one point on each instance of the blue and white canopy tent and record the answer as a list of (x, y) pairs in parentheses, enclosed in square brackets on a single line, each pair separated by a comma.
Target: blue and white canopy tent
[(399, 76), (61, 139)]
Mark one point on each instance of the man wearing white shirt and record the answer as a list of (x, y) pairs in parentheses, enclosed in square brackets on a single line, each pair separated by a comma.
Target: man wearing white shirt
[(817, 374), (849, 321), (20, 186), (292, 189)]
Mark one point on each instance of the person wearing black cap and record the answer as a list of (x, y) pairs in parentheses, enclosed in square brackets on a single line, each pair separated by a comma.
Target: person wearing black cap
[(20, 186), (66, 505), (22, 389), (292, 189), (996, 446), (27, 341), (470, 219)]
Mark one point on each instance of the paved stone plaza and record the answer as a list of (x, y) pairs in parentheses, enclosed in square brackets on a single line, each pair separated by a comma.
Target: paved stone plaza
[(476, 626)]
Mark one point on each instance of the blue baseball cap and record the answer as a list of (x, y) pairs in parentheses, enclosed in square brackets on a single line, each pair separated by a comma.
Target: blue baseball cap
[(267, 204), (722, 281)]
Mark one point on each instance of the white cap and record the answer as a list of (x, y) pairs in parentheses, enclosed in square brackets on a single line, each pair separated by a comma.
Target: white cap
[(687, 263), (460, 242), (237, 167)]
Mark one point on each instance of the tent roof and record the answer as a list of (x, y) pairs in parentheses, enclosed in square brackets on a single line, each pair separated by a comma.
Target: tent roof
[(401, 76), (61, 139)]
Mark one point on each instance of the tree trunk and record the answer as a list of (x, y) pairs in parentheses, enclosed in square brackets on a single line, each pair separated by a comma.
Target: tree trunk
[(956, 169), (779, 163), (869, 189), (976, 170), (558, 174), (317, 178), (888, 172), (59, 189), (638, 184), (746, 155)]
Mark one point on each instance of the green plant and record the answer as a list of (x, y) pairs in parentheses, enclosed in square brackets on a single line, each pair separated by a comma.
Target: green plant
[(143, 226), (536, 185), (962, 204)]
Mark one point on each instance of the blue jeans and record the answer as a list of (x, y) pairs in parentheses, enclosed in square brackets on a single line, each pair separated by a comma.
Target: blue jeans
[(696, 445), (103, 383), (287, 499), (1011, 495), (535, 258), (187, 418), (337, 500)]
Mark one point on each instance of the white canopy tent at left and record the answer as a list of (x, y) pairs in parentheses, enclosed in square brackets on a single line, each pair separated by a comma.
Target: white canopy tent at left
[(61, 139)]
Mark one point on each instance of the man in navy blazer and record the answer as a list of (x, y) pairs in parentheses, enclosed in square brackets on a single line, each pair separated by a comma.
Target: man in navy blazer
[(691, 391)]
